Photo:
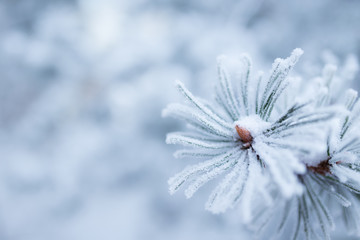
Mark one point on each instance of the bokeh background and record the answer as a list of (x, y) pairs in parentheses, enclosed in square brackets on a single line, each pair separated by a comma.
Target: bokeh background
[(82, 85)]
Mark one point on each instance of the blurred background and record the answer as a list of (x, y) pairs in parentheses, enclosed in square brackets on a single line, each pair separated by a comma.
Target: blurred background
[(82, 86)]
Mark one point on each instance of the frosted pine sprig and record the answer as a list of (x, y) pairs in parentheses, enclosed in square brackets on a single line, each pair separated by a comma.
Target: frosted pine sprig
[(336, 179), (332, 185), (249, 135), (338, 176)]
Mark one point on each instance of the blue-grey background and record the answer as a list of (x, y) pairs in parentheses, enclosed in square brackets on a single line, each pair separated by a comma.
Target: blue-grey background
[(82, 85)]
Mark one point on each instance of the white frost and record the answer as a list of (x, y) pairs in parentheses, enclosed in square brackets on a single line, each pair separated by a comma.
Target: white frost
[(253, 123)]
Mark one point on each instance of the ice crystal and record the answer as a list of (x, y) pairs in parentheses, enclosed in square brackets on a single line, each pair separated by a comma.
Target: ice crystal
[(250, 135)]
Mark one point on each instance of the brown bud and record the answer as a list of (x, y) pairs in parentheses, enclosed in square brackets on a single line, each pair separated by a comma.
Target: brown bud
[(244, 134)]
